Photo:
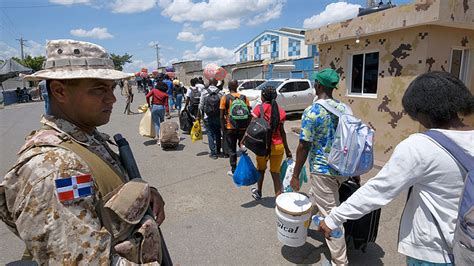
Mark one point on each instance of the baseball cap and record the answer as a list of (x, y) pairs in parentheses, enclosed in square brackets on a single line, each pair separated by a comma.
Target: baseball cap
[(328, 77)]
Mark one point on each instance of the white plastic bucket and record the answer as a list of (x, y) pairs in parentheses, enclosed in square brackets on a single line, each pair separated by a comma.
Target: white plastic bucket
[(293, 211)]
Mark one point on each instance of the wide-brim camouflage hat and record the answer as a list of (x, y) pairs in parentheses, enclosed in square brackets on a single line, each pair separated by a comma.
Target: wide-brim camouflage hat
[(70, 59)]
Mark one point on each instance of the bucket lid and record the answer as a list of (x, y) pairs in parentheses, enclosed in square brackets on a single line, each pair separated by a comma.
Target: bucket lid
[(293, 203)]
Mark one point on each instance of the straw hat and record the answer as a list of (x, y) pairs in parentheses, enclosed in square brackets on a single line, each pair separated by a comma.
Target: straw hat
[(69, 59)]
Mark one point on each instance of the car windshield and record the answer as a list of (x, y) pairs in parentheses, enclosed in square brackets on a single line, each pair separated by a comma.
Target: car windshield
[(272, 83)]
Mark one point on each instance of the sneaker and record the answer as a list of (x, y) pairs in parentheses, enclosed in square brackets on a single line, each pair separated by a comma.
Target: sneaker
[(256, 194), (230, 173), (213, 156)]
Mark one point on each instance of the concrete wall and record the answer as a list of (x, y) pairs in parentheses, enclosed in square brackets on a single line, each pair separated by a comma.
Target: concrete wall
[(183, 68), (403, 55), (248, 73)]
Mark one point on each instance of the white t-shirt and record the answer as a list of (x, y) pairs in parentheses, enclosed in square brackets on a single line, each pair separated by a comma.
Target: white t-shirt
[(437, 181), (199, 86)]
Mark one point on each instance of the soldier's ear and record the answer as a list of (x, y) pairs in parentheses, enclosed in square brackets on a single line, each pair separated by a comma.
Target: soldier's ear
[(58, 91)]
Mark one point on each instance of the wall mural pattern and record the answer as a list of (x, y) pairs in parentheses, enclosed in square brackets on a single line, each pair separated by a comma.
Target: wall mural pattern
[(403, 55)]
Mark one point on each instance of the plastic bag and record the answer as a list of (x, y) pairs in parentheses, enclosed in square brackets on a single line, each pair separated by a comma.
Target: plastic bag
[(147, 126), (196, 131), (185, 121), (286, 173), (245, 174), (143, 108)]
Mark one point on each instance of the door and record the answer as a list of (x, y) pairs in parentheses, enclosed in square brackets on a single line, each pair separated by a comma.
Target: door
[(287, 96), (304, 95)]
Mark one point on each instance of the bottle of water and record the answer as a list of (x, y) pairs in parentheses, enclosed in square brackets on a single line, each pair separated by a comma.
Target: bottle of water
[(336, 233)]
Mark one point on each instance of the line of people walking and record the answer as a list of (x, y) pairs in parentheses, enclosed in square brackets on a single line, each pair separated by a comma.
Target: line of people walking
[(412, 165)]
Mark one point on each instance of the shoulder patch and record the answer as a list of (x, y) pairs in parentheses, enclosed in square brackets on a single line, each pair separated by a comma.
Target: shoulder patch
[(74, 187)]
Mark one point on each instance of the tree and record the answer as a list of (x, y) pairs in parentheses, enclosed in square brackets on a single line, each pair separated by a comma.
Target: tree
[(35, 63), (121, 60)]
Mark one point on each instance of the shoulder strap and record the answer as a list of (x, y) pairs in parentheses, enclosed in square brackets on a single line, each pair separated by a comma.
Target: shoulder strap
[(466, 160), (329, 108), (105, 175), (228, 97), (262, 111)]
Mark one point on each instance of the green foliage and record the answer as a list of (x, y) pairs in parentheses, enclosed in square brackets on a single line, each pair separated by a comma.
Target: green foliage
[(120, 60), (35, 63)]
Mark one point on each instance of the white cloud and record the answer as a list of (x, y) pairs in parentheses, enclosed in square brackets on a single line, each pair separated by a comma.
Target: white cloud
[(138, 64), (6, 51), (334, 12), (70, 2), (152, 43), (31, 48), (218, 55), (132, 6), (272, 13), (35, 49), (97, 33), (226, 24), (170, 62), (187, 36), (221, 14)]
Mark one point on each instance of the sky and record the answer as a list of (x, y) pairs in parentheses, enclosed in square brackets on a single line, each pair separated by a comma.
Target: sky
[(184, 29)]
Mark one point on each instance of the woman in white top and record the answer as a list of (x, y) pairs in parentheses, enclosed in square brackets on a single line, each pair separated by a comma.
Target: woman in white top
[(435, 100)]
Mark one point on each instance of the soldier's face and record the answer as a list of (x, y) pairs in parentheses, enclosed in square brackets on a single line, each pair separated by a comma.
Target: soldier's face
[(89, 101)]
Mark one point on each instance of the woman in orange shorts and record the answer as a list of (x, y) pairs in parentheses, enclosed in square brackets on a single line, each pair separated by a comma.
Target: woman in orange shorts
[(276, 117)]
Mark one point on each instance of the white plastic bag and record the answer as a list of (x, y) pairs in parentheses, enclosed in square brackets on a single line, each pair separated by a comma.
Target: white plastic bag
[(147, 126)]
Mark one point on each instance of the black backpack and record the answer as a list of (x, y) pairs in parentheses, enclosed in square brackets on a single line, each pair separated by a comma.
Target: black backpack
[(258, 137), (211, 103), (195, 96)]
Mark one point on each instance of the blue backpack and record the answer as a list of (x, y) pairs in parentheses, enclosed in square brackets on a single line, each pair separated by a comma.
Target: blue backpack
[(464, 232)]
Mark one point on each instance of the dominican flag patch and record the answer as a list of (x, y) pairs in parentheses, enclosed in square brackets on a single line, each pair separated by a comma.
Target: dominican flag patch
[(74, 187)]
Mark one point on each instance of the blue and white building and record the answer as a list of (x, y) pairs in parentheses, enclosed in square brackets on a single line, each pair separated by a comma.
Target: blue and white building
[(276, 45)]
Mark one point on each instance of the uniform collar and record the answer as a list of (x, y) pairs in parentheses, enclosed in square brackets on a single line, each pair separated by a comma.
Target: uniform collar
[(69, 129)]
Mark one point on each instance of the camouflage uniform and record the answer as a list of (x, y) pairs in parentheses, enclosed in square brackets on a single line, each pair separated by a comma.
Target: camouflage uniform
[(58, 232)]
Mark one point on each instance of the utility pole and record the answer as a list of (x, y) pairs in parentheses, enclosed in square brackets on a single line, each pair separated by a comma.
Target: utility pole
[(157, 48), (22, 43)]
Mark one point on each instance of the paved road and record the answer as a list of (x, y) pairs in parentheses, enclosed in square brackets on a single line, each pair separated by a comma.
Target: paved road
[(208, 219)]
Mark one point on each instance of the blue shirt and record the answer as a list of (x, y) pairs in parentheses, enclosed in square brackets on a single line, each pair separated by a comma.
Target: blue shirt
[(169, 83), (318, 127)]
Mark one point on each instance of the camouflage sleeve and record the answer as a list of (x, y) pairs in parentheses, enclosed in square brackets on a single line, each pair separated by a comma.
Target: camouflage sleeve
[(55, 232)]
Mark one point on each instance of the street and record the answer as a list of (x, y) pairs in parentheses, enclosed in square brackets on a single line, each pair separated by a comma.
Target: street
[(209, 221)]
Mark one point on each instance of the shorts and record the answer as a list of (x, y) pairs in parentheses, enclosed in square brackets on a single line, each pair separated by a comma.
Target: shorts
[(275, 157)]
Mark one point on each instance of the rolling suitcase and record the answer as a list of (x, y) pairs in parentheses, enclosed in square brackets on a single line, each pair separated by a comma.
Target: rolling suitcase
[(364, 230), (169, 137)]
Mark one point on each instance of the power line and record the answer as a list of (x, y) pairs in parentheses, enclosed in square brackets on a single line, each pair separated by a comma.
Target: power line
[(38, 6), (9, 22)]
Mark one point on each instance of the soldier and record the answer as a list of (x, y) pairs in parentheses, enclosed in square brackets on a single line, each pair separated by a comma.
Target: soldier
[(67, 197), (127, 91)]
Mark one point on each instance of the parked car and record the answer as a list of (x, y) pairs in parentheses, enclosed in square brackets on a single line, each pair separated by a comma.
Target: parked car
[(293, 94), (247, 84)]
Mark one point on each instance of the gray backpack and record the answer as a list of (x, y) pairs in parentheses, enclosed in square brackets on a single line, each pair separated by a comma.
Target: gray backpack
[(464, 232)]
